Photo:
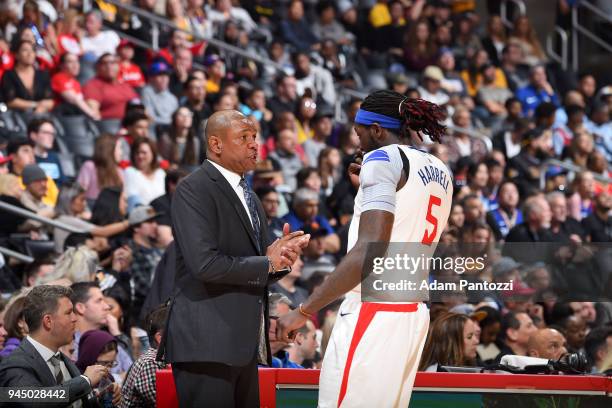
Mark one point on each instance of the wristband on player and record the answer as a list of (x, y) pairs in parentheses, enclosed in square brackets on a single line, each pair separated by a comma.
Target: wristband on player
[(303, 312)]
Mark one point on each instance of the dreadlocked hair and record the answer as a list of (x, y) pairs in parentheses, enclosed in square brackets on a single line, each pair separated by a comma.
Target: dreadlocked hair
[(415, 114)]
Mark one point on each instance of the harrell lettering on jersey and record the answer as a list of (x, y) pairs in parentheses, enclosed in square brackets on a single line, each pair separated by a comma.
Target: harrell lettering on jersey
[(421, 207)]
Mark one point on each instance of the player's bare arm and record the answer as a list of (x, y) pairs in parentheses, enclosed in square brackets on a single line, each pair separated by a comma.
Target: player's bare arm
[(374, 226)]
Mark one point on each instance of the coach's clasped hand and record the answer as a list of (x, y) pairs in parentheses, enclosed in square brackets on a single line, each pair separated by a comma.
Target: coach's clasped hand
[(283, 252)]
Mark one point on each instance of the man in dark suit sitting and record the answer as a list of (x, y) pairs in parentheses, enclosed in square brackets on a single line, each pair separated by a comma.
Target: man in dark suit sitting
[(37, 362), (217, 330)]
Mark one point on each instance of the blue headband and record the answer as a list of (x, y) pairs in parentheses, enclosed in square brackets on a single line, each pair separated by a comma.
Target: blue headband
[(367, 118)]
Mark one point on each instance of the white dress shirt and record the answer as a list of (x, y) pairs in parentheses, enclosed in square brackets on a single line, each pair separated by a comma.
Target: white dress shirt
[(234, 180)]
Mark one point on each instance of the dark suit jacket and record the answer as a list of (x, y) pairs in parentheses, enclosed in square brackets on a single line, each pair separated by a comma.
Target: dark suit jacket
[(25, 367), (221, 274)]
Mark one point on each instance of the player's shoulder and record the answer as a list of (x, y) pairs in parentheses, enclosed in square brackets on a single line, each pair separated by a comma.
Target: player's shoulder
[(389, 154)]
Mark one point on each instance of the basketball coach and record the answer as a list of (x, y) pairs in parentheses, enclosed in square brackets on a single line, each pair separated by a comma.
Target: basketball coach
[(216, 332)]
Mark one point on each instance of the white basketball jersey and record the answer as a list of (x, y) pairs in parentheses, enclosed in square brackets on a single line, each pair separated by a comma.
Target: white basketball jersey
[(422, 205)]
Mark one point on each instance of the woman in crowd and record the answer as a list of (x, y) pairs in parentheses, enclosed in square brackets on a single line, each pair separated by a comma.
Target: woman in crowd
[(580, 148), (100, 347), (456, 217), (420, 50), (26, 88), (103, 171), (495, 40), (306, 109), (580, 204), (15, 325), (40, 26), (69, 96), (144, 181), (72, 209), (452, 341), (181, 146), (477, 177), (526, 37)]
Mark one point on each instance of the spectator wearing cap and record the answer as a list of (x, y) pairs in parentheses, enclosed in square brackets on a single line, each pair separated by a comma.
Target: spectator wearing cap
[(322, 127), (516, 328), (156, 97), (317, 79), (96, 41), (98, 347), (506, 216), (598, 225), (69, 99), (285, 154), (104, 93), (562, 227), (35, 181), (129, 73), (306, 211), (145, 253), (315, 258), (490, 324), (546, 343), (431, 89), (296, 31), (538, 91), (42, 133)]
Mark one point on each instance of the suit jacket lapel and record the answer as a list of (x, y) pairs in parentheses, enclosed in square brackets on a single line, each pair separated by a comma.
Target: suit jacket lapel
[(235, 202), (38, 363)]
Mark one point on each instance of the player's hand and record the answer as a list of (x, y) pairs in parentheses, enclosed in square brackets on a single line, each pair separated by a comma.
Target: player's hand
[(355, 168), (287, 324)]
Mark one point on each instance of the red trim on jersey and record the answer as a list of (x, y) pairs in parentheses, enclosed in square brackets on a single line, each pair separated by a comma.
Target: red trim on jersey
[(366, 314)]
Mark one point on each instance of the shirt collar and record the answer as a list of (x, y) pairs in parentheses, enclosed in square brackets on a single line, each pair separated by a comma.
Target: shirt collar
[(43, 350), (230, 176)]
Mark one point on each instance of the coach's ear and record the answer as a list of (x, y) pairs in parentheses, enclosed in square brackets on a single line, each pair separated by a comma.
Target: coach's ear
[(215, 144)]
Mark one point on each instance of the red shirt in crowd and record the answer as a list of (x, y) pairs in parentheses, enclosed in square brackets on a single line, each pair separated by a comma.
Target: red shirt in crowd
[(62, 82), (131, 74), (112, 97)]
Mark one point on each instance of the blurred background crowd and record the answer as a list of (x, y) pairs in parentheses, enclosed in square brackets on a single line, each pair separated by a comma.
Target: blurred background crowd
[(103, 110)]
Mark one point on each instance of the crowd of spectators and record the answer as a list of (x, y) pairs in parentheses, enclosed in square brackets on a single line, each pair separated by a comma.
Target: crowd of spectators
[(71, 83)]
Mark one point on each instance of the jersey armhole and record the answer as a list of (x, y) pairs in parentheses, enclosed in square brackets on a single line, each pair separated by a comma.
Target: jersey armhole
[(405, 167)]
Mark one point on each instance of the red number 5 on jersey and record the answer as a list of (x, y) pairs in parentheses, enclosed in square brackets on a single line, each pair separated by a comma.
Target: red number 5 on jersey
[(428, 238)]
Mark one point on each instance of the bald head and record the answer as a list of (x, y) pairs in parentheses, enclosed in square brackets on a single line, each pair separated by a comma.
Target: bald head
[(546, 343), (230, 139)]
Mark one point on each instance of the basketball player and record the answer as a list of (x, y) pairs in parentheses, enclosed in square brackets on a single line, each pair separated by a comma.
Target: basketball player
[(374, 350)]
